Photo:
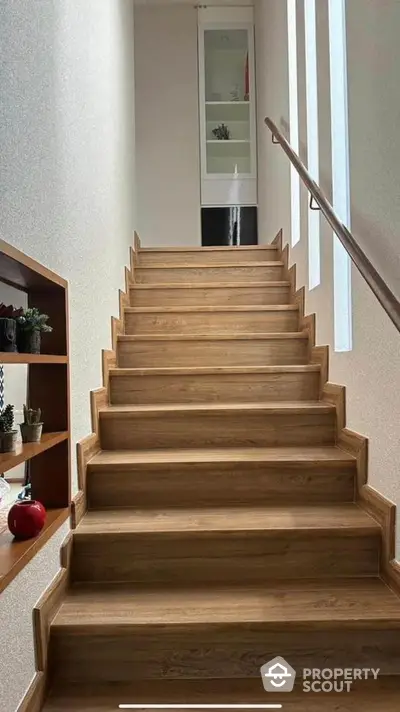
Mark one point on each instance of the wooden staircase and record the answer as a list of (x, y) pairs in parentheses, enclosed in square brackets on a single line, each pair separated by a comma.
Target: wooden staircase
[(222, 527)]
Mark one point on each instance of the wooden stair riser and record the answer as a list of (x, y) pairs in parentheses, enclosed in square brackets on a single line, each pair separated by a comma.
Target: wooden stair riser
[(149, 353), (235, 652), (203, 256), (220, 484), (212, 322), (192, 295), (247, 274), (191, 429), (222, 387), (185, 557)]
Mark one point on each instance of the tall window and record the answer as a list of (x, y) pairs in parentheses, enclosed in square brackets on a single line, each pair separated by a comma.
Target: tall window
[(340, 172), (314, 268), (294, 119)]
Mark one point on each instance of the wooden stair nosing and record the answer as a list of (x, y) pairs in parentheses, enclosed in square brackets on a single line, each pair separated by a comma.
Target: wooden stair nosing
[(231, 336), (211, 285), (327, 604), (201, 249), (329, 456), (269, 308), (367, 695), (317, 520), (213, 370), (222, 265), (275, 408)]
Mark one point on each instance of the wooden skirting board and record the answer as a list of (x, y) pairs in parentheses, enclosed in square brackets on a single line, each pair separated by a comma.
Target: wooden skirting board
[(43, 613), (378, 506), (89, 446), (35, 697)]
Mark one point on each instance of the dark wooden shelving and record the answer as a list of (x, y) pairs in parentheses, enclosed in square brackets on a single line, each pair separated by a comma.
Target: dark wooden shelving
[(49, 461), (14, 555), (31, 358), (26, 451)]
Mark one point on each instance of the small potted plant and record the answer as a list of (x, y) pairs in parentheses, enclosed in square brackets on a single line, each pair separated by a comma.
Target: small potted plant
[(31, 428), (31, 323), (8, 436), (222, 132)]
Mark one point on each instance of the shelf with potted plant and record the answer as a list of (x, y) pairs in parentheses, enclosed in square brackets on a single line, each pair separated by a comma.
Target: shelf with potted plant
[(21, 334), (46, 454)]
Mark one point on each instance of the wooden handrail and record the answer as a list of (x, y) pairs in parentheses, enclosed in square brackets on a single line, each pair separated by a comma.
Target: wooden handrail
[(377, 284)]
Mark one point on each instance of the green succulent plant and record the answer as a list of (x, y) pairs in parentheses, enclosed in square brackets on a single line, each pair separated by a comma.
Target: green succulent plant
[(7, 419), (31, 416), (33, 320), (222, 132)]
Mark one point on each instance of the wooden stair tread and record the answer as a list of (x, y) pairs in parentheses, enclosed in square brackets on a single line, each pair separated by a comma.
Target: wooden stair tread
[(271, 336), (328, 455), (271, 407), (212, 309), (211, 285), (217, 248), (382, 695), (207, 265), (327, 603), (269, 519), (213, 370)]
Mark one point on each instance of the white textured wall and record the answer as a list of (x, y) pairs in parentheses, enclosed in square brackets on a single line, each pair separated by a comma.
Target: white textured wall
[(167, 125), (17, 653), (67, 142), (272, 76), (371, 370), (67, 199)]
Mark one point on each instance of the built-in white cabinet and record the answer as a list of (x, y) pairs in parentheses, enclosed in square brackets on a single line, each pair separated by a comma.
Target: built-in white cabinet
[(227, 106)]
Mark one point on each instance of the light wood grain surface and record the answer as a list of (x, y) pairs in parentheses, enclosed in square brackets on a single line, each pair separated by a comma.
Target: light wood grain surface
[(199, 294), (244, 272), (370, 696), (222, 527), (202, 385)]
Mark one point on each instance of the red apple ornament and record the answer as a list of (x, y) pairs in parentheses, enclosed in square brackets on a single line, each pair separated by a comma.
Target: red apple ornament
[(26, 519)]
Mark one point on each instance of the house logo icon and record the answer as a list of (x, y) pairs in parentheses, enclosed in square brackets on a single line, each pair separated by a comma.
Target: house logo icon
[(278, 676)]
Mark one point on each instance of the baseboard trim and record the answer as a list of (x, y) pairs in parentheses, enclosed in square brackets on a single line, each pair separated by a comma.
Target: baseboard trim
[(366, 496), (48, 604), (36, 694), (278, 240), (100, 397), (78, 508)]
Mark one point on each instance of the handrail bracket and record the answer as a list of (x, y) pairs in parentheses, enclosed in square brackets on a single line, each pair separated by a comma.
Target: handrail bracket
[(313, 203)]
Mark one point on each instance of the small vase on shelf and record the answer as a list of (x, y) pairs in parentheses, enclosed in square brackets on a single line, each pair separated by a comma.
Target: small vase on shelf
[(31, 428), (8, 335), (8, 328), (28, 342), (30, 326), (26, 519)]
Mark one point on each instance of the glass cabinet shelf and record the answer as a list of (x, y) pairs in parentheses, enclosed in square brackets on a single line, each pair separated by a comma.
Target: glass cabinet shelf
[(227, 103), (230, 141)]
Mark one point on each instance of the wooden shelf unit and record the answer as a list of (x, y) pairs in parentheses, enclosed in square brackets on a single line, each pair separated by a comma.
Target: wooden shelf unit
[(49, 461), (31, 358)]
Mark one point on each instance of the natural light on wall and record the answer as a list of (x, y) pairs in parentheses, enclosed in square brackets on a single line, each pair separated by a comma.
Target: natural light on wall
[(314, 269), (294, 119), (340, 172)]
